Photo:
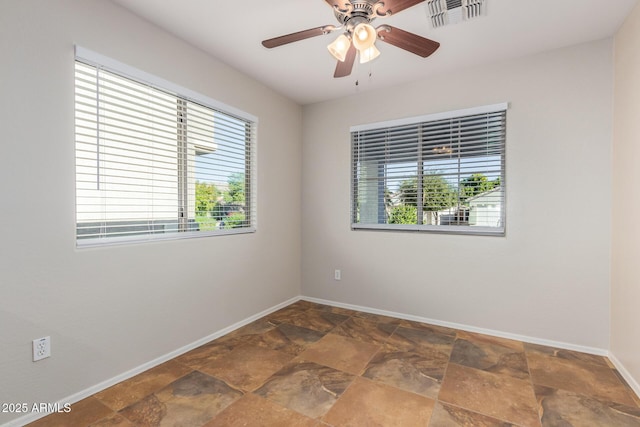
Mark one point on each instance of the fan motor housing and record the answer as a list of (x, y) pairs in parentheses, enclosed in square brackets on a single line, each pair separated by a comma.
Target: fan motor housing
[(359, 12)]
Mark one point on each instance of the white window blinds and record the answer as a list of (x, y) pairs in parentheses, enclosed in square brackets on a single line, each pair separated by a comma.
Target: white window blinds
[(152, 164), (440, 173)]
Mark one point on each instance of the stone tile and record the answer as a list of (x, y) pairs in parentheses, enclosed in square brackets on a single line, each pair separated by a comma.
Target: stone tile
[(377, 318), (82, 413), (490, 354), (129, 391), (318, 320), (418, 373), (285, 315), (566, 408), (566, 354), (211, 351), (305, 305), (427, 327), (633, 394), (192, 400), (342, 353), (336, 310), (148, 412), (580, 377), (451, 416), (260, 326), (496, 395), (419, 341), (114, 420), (306, 387), (247, 367), (481, 381), (288, 338), (252, 410), (365, 330), (379, 405), (517, 346), (205, 354)]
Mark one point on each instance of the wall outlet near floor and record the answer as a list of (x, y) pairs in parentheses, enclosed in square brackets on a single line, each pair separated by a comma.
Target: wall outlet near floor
[(41, 348), (337, 275)]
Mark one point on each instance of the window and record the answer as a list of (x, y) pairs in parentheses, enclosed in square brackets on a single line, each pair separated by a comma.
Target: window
[(443, 173), (156, 161)]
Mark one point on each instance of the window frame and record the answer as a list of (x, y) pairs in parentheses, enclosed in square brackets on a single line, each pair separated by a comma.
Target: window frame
[(499, 231), (183, 96)]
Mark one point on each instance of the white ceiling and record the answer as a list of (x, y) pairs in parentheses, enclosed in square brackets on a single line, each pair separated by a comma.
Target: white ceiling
[(303, 71)]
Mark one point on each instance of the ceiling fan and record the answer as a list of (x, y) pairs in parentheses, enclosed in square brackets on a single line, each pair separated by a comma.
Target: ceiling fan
[(355, 17)]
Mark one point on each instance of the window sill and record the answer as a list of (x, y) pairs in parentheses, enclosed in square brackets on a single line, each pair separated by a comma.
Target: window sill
[(439, 229)]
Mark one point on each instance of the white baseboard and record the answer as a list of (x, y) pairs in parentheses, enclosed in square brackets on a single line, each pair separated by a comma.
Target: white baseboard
[(500, 334), (29, 418), (625, 374)]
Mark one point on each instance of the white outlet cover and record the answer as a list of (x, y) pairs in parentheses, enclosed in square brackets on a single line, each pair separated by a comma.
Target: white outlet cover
[(41, 348)]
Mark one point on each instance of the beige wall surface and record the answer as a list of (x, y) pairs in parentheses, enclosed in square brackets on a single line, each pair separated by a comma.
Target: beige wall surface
[(549, 277), (625, 277), (113, 309)]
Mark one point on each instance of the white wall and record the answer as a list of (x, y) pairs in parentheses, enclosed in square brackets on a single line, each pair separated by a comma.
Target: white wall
[(549, 277), (110, 310), (625, 277)]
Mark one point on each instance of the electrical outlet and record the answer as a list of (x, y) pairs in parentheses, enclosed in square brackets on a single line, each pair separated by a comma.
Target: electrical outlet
[(337, 275), (41, 348)]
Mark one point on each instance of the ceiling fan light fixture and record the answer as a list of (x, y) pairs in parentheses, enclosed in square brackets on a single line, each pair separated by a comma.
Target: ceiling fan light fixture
[(364, 36), (339, 47), (359, 38), (369, 54)]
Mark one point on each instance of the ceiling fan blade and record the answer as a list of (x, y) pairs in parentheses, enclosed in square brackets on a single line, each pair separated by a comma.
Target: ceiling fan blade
[(391, 7), (408, 41), (344, 68), (300, 35)]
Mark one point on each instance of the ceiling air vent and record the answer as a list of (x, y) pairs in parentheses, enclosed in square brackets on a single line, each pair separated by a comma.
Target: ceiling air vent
[(444, 12)]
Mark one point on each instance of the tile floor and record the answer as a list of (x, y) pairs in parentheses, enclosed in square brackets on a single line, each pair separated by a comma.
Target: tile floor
[(315, 365)]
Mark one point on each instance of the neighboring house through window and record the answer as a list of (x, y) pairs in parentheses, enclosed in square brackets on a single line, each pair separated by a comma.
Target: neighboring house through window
[(444, 172), (156, 161)]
